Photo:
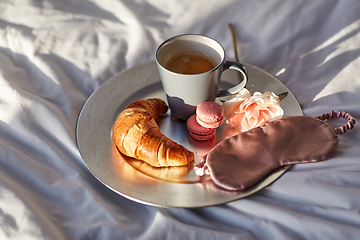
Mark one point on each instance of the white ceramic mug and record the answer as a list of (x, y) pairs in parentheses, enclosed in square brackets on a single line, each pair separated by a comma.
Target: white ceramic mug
[(185, 91)]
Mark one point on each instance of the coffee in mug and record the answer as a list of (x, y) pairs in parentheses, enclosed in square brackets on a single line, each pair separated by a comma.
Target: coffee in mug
[(190, 62)]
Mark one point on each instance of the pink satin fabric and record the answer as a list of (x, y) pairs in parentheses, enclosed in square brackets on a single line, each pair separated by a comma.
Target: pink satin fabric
[(242, 161)]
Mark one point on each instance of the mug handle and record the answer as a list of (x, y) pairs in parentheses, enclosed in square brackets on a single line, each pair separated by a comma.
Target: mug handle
[(244, 73)]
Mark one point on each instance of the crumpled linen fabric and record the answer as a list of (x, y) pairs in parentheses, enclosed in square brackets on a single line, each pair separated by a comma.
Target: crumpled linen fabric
[(55, 53)]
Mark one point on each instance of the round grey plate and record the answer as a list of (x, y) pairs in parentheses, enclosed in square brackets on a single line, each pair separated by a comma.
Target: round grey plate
[(163, 187)]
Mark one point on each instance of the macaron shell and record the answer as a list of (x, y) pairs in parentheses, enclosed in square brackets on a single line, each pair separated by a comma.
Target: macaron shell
[(202, 137), (197, 131)]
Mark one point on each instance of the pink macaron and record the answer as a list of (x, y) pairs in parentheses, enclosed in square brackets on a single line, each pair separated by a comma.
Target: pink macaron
[(199, 132), (209, 114)]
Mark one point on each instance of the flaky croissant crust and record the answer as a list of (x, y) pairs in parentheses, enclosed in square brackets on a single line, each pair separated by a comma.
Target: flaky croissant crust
[(136, 134)]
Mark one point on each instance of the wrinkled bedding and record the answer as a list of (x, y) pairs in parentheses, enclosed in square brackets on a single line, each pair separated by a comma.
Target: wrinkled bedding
[(55, 53)]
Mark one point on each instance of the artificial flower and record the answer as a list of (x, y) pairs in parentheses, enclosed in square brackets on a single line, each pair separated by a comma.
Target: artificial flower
[(244, 112)]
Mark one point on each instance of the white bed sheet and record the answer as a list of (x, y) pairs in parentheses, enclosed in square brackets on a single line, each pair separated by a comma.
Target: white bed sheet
[(55, 53)]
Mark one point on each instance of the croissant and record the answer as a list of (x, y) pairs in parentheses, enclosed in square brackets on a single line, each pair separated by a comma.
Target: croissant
[(136, 134)]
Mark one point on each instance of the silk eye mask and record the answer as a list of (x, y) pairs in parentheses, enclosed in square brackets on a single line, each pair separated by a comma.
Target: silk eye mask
[(243, 160)]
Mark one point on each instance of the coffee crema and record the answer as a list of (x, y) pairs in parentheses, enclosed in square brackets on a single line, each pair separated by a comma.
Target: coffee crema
[(190, 62)]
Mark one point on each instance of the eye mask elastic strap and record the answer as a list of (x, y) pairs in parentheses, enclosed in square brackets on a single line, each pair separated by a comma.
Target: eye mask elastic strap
[(337, 114)]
